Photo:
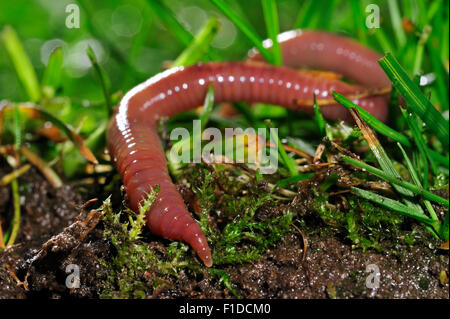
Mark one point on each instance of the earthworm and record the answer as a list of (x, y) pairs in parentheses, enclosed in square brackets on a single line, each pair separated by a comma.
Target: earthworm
[(134, 144)]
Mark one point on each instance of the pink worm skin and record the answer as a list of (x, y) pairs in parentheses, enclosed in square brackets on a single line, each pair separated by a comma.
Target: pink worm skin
[(135, 146)]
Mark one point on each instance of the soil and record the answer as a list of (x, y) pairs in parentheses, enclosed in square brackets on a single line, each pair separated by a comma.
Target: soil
[(330, 268)]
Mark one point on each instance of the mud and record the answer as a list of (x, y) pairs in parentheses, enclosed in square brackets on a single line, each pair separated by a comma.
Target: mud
[(50, 240)]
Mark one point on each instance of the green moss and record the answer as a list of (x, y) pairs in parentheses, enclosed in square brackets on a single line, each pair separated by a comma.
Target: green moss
[(126, 270)]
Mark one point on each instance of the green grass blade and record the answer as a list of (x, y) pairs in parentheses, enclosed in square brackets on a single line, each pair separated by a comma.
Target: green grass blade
[(207, 107), (418, 60), (273, 29), (52, 74), (416, 101), (306, 15), (15, 223), (413, 188), (421, 145), (393, 205), (17, 128), (416, 180), (172, 24), (319, 118), (24, 68), (396, 19), (103, 78), (246, 29), (359, 20), (288, 161), (176, 28), (199, 45), (374, 123)]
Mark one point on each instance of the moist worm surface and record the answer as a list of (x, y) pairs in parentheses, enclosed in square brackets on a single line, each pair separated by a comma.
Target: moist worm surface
[(135, 146)]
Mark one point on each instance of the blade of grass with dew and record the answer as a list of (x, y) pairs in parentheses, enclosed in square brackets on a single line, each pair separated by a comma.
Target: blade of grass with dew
[(375, 123), (396, 19), (416, 101), (379, 173), (395, 206), (103, 78), (416, 180), (252, 36), (24, 68), (421, 145), (199, 45), (271, 18), (378, 151), (52, 74)]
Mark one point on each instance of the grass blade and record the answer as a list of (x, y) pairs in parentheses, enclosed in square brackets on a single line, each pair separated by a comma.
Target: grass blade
[(273, 29), (380, 154), (416, 101), (397, 23), (416, 181), (199, 45), (74, 137), (288, 161), (319, 118), (375, 123), (244, 28), (40, 164), (103, 78), (207, 107), (394, 206), (418, 60), (176, 28), (15, 223), (421, 145), (379, 173), (24, 68), (306, 15), (52, 74)]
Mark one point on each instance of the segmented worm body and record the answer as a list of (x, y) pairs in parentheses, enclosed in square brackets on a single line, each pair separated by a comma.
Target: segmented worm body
[(135, 146)]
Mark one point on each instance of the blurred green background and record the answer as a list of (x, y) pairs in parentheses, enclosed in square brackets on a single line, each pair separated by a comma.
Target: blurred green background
[(132, 43)]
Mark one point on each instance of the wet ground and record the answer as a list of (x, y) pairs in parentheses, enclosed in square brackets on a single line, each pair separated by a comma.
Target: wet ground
[(38, 265)]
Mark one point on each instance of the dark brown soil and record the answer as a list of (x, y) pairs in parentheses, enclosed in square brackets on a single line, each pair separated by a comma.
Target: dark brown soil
[(330, 269)]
